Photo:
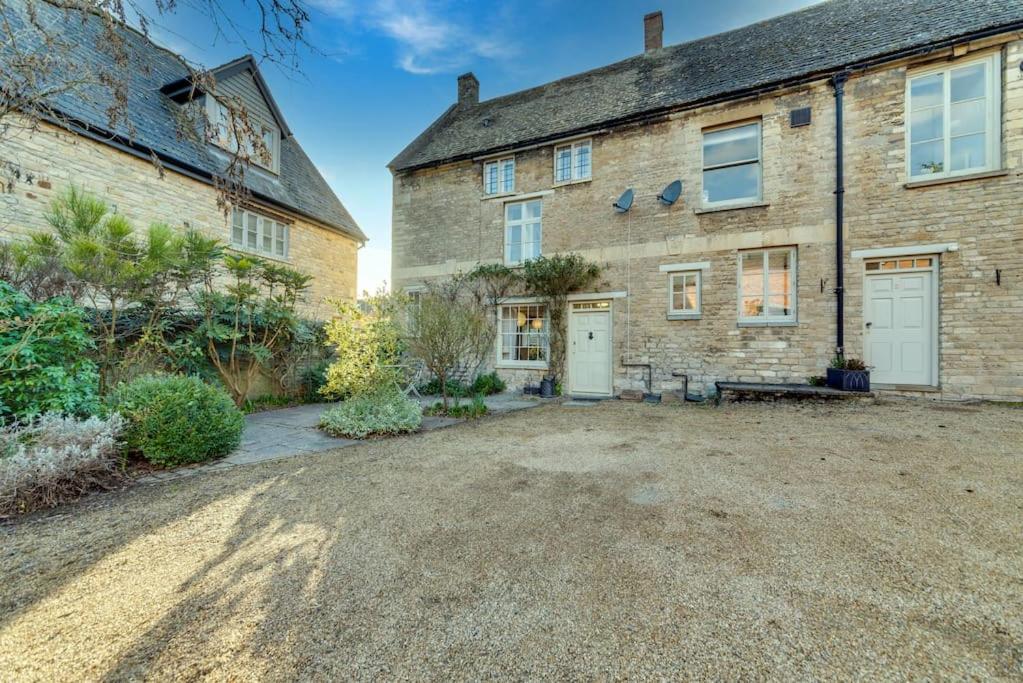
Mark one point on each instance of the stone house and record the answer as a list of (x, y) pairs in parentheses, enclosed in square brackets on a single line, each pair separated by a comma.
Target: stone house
[(844, 178), (148, 167)]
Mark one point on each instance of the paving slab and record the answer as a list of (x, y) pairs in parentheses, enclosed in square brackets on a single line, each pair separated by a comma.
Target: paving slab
[(288, 432)]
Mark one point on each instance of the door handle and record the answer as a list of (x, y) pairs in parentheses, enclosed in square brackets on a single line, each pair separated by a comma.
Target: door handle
[(591, 335), (868, 325)]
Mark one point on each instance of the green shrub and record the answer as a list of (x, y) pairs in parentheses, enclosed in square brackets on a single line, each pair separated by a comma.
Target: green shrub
[(468, 411), (372, 414), (432, 388), (488, 384), (175, 420), (367, 340), (44, 358)]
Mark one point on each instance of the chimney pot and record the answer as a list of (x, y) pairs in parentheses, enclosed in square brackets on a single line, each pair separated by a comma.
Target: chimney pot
[(653, 31), (468, 90)]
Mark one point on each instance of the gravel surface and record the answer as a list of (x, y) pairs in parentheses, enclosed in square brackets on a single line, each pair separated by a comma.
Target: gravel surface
[(612, 542)]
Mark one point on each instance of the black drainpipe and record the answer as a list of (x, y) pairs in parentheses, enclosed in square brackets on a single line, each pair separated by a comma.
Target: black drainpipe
[(838, 82)]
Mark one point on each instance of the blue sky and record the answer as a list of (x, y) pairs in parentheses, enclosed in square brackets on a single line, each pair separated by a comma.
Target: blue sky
[(380, 72)]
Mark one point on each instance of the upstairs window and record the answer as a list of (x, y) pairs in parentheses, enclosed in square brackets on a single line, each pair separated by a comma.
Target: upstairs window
[(767, 286), (223, 131), (499, 176), (731, 165), (522, 231), (953, 120), (259, 234), (573, 161)]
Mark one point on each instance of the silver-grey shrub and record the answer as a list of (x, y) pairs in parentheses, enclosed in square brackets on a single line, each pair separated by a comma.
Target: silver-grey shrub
[(57, 459), (378, 413)]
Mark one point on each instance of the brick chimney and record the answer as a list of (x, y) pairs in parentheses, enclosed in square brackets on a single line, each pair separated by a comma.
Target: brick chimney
[(468, 90), (653, 31)]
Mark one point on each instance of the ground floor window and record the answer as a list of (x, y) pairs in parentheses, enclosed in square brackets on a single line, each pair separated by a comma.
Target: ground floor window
[(260, 234), (524, 334), (767, 285)]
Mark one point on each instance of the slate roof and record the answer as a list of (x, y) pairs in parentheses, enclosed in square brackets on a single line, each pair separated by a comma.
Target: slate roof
[(152, 123), (810, 43)]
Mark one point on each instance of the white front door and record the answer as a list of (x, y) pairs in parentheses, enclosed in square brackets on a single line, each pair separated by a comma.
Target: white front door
[(589, 349), (899, 334)]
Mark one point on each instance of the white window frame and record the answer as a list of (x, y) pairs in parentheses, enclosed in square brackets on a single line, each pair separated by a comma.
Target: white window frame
[(765, 319), (993, 130), (509, 224), (278, 229), (759, 161), (504, 185), (685, 313), (574, 175), (501, 362)]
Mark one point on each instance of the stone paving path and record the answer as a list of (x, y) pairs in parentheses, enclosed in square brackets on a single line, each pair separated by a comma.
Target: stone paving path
[(285, 433)]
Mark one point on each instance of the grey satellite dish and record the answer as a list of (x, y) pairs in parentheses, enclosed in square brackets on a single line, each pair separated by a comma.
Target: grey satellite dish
[(671, 193), (624, 202)]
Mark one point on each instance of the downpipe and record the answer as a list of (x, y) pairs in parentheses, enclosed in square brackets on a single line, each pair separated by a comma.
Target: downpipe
[(838, 82)]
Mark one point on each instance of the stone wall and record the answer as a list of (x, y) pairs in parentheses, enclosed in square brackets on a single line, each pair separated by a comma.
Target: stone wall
[(442, 224), (38, 166)]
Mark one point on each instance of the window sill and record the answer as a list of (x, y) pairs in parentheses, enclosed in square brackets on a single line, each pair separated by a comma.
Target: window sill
[(684, 316), (516, 196), (259, 254), (506, 365), (769, 323), (730, 207), (956, 179), (497, 195), (567, 183)]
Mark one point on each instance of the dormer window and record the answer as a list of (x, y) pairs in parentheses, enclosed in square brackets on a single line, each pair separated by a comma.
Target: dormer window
[(223, 131)]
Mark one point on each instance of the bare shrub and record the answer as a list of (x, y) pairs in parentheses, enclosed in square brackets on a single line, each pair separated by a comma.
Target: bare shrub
[(57, 459)]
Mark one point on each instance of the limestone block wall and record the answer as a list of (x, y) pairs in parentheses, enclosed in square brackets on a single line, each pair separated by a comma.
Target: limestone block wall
[(443, 224), (37, 166)]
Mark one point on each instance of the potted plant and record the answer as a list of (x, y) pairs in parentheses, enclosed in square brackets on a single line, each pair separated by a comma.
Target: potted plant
[(848, 374)]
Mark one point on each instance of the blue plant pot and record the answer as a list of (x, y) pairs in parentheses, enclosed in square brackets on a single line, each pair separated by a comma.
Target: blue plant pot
[(848, 380)]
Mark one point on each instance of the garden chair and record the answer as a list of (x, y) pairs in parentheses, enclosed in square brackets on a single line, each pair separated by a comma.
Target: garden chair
[(408, 375)]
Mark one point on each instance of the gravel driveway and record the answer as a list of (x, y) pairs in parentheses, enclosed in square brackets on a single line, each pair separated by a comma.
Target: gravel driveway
[(610, 542)]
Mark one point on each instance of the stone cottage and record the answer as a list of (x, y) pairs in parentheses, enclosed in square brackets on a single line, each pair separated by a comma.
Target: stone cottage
[(847, 178), (148, 167)]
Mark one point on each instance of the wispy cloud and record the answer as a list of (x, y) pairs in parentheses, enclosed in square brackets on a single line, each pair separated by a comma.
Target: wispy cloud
[(429, 39)]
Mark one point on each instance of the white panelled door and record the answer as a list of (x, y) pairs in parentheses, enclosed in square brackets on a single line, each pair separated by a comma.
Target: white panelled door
[(899, 335), (589, 370)]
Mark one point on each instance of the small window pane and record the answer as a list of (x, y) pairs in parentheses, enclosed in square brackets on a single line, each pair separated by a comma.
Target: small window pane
[(268, 235), (253, 231), (514, 212), (532, 209), (508, 173), (282, 241), (731, 145), (731, 183), (927, 91), (874, 265), (926, 158), (582, 164), (968, 83), (923, 263), (969, 151), (969, 117), (490, 178), (927, 124), (563, 164), (683, 292)]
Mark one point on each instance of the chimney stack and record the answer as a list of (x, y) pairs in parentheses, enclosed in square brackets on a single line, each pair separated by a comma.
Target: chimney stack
[(653, 31), (468, 90)]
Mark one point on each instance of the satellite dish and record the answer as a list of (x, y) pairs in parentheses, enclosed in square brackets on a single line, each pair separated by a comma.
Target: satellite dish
[(671, 193), (624, 202)]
